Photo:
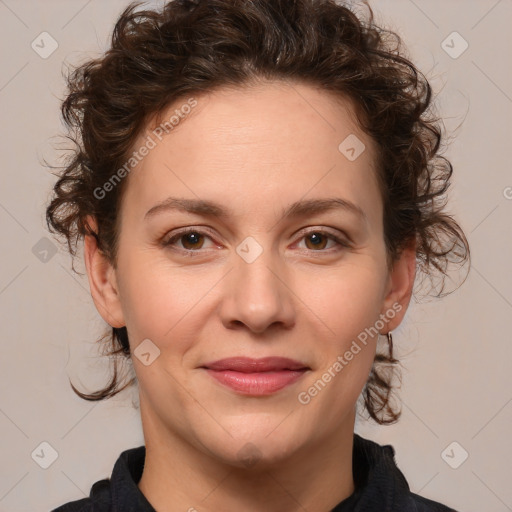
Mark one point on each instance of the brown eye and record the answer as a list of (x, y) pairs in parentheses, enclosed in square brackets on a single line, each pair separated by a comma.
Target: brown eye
[(190, 240), (318, 240)]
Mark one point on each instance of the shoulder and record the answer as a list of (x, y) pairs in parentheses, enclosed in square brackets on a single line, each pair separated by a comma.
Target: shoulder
[(98, 501), (422, 504), (382, 484), (119, 492), (84, 505)]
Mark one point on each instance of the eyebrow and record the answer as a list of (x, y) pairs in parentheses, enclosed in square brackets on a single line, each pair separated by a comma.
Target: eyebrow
[(297, 209)]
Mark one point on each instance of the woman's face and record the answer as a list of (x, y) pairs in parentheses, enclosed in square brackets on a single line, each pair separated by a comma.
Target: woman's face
[(251, 281)]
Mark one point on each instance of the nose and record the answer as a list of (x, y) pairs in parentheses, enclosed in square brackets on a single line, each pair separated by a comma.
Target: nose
[(257, 295)]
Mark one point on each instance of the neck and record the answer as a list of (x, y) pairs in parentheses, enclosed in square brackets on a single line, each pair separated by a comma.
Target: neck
[(179, 477)]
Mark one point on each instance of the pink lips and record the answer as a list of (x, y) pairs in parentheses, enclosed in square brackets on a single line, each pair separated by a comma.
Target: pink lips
[(256, 376)]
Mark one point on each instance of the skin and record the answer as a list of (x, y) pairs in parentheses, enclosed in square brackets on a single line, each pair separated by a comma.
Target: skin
[(255, 150)]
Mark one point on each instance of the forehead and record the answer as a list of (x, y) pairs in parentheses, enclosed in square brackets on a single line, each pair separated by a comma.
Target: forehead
[(268, 139), (270, 111)]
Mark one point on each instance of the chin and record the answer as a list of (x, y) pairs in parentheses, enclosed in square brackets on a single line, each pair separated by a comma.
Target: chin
[(255, 448)]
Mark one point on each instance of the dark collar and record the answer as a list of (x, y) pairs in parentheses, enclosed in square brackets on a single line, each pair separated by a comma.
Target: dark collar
[(379, 484), (126, 496)]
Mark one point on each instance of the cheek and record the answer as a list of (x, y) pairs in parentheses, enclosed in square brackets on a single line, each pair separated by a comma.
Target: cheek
[(346, 300), (159, 298), (333, 389), (149, 301), (347, 305), (164, 302)]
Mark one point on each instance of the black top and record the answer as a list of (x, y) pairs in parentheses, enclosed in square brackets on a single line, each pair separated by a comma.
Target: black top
[(379, 485)]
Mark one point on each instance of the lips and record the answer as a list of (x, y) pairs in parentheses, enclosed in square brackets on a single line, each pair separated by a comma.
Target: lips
[(256, 377), (248, 365)]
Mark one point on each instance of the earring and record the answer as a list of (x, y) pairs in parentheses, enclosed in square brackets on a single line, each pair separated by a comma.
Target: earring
[(390, 343)]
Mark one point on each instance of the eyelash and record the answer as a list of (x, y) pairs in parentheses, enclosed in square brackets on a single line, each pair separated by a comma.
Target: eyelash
[(190, 252)]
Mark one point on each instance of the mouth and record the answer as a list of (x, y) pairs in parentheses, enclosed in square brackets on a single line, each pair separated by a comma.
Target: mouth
[(256, 377)]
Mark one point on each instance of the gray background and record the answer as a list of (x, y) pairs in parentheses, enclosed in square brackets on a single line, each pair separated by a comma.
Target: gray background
[(456, 351)]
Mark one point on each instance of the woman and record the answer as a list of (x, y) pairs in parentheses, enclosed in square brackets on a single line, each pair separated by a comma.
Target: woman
[(257, 184)]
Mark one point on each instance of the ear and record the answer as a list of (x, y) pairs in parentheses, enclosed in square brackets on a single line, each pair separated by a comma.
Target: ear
[(400, 285), (102, 280)]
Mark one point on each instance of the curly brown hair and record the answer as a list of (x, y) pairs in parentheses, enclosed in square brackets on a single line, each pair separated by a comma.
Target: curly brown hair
[(194, 46)]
